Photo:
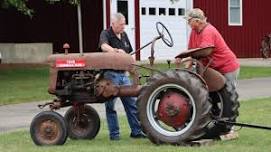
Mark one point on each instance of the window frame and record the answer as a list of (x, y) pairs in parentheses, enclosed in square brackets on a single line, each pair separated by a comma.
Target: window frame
[(241, 14)]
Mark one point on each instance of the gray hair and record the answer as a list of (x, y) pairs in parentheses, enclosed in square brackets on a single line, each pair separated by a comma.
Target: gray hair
[(196, 13), (116, 17)]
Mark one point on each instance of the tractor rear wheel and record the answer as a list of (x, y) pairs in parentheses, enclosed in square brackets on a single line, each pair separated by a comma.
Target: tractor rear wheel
[(174, 107), (83, 122), (225, 104), (48, 128)]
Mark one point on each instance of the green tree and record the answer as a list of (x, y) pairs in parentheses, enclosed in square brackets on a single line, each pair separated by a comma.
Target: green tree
[(21, 5)]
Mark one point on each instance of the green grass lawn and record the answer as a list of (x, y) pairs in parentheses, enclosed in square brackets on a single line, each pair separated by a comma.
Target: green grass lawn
[(248, 72), (251, 140), (23, 85), (26, 84)]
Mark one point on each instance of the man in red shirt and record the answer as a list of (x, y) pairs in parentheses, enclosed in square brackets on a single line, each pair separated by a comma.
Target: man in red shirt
[(204, 34)]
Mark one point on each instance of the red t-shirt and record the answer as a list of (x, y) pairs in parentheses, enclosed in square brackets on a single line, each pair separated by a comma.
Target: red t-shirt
[(224, 60)]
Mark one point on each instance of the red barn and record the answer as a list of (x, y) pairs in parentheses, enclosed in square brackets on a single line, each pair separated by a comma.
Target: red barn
[(242, 23), (251, 23)]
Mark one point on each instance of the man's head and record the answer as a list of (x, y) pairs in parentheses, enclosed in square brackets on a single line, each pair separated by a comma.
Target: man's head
[(118, 23), (196, 18)]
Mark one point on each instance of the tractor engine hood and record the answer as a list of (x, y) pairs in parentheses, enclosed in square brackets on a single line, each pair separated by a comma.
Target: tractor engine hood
[(92, 61), (98, 60)]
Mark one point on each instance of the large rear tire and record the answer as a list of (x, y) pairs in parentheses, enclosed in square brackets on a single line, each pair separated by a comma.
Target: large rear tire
[(225, 105), (48, 128), (83, 122), (183, 85)]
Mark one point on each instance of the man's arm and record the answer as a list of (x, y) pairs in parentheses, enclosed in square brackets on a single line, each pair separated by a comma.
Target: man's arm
[(107, 48), (104, 44)]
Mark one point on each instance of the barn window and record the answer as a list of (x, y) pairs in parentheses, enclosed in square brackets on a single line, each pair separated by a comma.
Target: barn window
[(143, 11), (181, 11), (123, 8), (171, 11), (152, 11), (162, 11), (235, 12)]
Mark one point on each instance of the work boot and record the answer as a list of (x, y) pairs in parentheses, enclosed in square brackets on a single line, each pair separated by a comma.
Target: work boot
[(141, 135)]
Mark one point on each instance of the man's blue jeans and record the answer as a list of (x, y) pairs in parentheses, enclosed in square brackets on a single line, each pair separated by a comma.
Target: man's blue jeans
[(129, 103)]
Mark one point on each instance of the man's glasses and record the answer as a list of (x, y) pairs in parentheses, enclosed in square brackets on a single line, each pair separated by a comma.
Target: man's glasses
[(190, 20)]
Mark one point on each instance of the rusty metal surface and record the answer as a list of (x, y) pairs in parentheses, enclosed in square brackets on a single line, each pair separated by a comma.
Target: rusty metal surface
[(196, 75), (196, 53), (106, 89), (215, 80), (98, 60), (212, 78), (132, 91), (48, 131), (52, 80), (173, 109)]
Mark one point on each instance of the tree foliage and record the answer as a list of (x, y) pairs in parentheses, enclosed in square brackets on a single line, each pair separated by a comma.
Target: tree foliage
[(21, 5)]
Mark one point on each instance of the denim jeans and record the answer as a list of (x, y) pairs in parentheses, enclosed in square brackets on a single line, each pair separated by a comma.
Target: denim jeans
[(129, 103), (231, 77)]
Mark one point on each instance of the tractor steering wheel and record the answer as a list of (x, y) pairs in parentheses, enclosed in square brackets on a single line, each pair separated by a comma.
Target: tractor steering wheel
[(166, 37)]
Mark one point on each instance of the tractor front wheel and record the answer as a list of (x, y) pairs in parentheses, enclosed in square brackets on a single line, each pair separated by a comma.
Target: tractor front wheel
[(83, 122), (48, 128)]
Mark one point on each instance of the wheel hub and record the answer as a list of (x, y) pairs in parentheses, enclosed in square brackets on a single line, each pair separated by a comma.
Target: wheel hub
[(48, 131), (173, 109)]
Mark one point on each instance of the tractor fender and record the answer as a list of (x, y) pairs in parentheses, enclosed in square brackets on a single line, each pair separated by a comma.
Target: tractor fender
[(196, 75), (214, 79)]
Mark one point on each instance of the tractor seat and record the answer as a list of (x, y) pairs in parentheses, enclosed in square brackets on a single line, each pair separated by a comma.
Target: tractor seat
[(196, 53)]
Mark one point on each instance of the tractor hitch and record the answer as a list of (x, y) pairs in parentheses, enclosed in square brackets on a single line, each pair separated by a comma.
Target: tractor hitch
[(226, 122)]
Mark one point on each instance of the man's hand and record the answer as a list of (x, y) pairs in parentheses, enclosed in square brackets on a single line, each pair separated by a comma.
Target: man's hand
[(178, 61), (107, 48), (186, 61), (119, 50)]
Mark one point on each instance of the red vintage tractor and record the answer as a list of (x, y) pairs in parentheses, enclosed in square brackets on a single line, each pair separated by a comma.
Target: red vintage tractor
[(175, 106)]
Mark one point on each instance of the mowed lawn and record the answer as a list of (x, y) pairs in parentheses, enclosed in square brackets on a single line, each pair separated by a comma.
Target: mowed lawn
[(250, 140), (28, 84), (23, 84)]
